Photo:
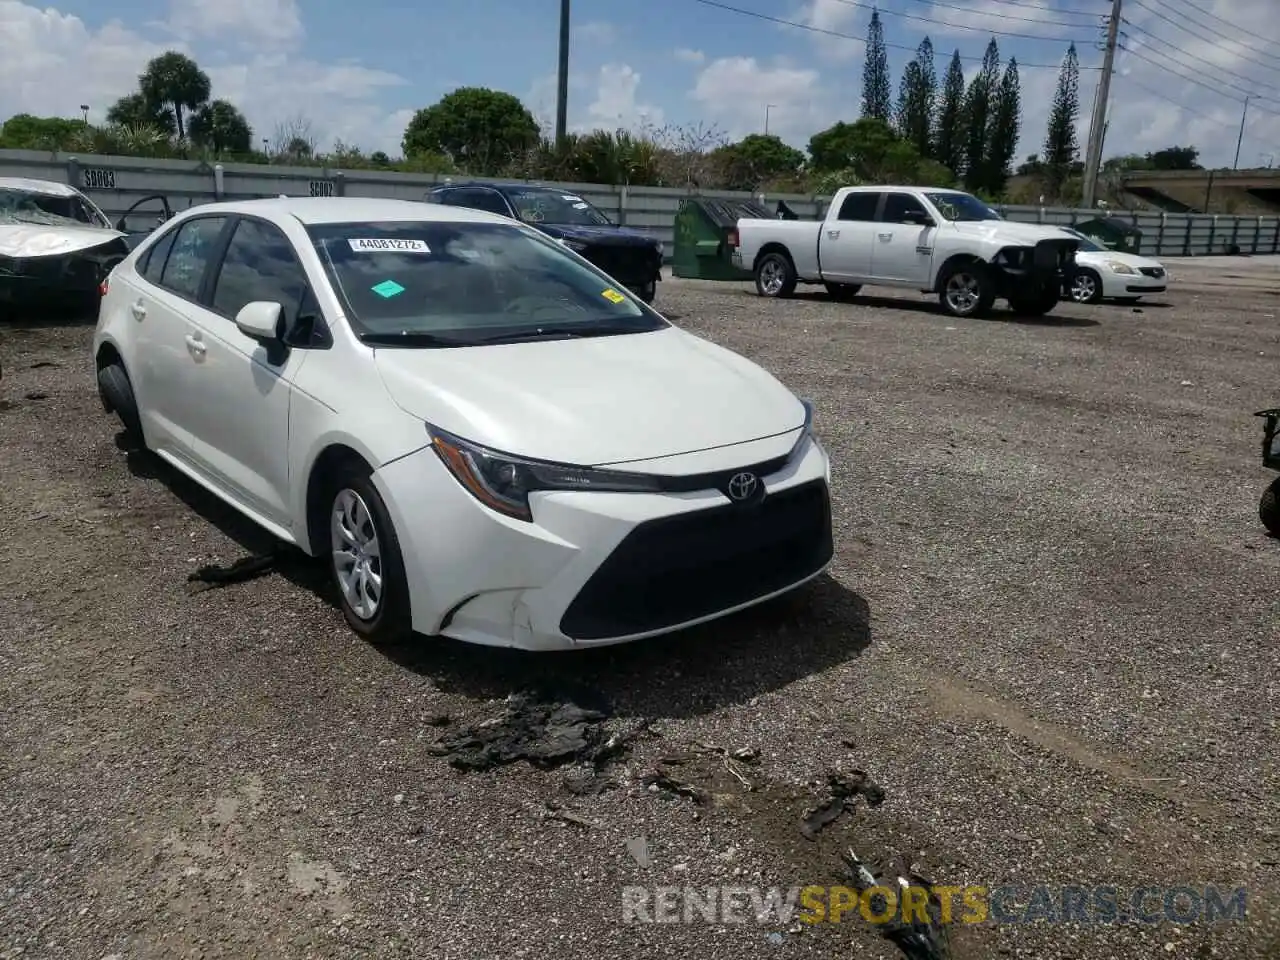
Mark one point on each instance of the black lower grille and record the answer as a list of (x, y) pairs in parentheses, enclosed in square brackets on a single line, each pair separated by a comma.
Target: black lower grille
[(676, 569), (1151, 271), (629, 265)]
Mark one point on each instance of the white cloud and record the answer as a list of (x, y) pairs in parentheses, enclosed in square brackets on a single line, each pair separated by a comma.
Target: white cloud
[(596, 34), (51, 62), (736, 92), (616, 103), (690, 56), (837, 17), (253, 23)]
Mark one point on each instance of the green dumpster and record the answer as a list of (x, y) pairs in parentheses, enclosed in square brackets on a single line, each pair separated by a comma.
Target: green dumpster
[(702, 231), (1112, 233)]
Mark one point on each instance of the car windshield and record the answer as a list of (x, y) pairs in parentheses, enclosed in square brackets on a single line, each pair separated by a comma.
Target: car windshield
[(457, 283), (1086, 243), (962, 207), (552, 206), (29, 206)]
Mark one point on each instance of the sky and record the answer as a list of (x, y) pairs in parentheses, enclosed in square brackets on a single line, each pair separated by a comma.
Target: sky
[(358, 71)]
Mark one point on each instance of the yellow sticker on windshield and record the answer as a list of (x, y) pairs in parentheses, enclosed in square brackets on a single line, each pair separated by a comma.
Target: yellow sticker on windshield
[(613, 295)]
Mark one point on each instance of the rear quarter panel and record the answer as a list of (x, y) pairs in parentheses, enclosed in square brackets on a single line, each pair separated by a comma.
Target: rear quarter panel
[(798, 237)]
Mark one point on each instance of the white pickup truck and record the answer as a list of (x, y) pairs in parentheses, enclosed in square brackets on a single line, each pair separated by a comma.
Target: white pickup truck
[(932, 240)]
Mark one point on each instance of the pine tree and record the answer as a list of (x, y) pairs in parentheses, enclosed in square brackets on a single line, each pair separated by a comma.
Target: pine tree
[(1060, 147), (877, 98), (978, 102), (1006, 118), (915, 100), (948, 134)]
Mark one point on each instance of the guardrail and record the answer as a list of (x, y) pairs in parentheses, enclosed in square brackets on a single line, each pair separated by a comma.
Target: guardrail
[(116, 183)]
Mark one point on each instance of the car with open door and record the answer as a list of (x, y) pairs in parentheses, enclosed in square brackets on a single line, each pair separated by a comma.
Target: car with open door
[(482, 434)]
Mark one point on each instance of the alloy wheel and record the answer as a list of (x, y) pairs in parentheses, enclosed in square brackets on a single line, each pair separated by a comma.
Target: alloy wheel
[(962, 292), (772, 276), (1083, 288), (357, 556)]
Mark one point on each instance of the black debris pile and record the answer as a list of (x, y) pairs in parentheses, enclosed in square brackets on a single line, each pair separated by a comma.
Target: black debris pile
[(246, 568), (917, 940), (546, 733), (35, 395), (845, 788)]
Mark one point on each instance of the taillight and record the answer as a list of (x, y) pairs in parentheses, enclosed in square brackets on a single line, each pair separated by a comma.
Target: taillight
[(102, 287), (733, 238)]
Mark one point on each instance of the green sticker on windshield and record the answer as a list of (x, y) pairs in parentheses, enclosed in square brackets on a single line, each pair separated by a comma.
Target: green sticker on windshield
[(387, 288)]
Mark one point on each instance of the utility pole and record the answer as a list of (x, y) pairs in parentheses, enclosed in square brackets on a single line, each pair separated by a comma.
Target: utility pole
[(1244, 113), (1093, 156), (562, 90), (767, 108)]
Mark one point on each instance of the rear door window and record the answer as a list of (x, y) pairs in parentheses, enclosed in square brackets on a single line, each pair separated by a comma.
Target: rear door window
[(188, 261), (859, 206)]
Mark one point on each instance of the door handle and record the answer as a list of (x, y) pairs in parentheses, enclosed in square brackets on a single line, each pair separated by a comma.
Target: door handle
[(833, 234), (195, 345), (138, 310), (886, 236)]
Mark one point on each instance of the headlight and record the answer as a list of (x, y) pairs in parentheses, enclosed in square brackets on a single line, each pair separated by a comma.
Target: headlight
[(1115, 266), (503, 482), (573, 244)]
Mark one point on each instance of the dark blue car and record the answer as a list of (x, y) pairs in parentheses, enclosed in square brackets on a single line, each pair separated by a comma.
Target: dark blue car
[(632, 258)]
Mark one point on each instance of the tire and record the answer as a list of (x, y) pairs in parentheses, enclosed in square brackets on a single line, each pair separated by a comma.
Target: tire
[(843, 292), (775, 276), (1035, 304), (116, 393), (1085, 286), (354, 510), (649, 292), (1269, 508), (972, 280)]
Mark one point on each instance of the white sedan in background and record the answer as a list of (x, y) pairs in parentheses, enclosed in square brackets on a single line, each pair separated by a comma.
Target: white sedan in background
[(481, 432), (1104, 274)]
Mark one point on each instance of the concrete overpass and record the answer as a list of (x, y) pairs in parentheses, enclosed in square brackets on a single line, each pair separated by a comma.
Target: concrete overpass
[(1244, 192)]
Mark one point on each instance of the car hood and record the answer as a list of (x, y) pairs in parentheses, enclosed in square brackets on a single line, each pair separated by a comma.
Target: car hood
[(1009, 231), (1096, 257), (40, 240), (592, 401), (601, 234)]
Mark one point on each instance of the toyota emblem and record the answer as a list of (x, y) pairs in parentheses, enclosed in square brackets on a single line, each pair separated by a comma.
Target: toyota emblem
[(742, 486)]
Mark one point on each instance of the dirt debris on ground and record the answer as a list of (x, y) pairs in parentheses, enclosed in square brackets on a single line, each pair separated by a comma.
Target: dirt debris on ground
[(1049, 634)]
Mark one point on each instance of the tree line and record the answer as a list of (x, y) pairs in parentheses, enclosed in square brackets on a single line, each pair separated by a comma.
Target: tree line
[(935, 134)]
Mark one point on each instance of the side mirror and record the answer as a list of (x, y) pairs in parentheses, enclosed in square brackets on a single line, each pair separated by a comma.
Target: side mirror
[(260, 320), (120, 225), (917, 217)]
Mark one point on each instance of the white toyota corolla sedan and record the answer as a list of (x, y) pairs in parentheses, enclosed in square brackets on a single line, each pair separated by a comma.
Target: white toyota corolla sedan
[(481, 433)]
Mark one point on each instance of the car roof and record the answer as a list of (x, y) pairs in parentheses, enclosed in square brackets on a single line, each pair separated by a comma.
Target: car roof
[(48, 187), (502, 187), (317, 210)]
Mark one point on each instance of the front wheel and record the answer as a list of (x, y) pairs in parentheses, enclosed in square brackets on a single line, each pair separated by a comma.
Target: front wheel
[(1035, 303), (775, 276), (966, 290), (648, 292), (1086, 286), (365, 561), (1269, 508)]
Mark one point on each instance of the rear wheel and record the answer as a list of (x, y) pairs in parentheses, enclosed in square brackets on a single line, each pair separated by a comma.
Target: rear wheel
[(843, 292), (967, 290), (365, 560), (116, 393), (775, 276), (648, 292)]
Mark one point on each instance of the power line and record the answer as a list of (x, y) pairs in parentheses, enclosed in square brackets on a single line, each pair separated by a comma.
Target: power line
[(1192, 33), (1179, 52), (1247, 32), (1183, 107), (962, 26), (1201, 83), (1019, 3), (846, 36)]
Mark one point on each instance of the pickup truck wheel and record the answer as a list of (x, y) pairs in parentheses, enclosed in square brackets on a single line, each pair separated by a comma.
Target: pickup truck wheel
[(967, 291), (775, 276), (1269, 508), (843, 292), (1035, 303)]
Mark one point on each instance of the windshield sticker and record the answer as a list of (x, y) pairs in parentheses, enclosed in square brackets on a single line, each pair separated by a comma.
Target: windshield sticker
[(387, 288), (613, 296), (570, 197), (385, 243), (580, 206)]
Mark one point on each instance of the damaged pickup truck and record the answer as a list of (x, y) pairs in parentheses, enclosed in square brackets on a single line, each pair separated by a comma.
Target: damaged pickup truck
[(56, 245), (937, 241)]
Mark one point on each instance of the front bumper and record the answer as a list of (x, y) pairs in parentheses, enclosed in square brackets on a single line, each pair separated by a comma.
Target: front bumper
[(68, 275), (601, 568), (636, 267)]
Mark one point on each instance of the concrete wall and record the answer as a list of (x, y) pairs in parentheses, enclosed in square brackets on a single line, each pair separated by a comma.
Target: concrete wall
[(116, 183)]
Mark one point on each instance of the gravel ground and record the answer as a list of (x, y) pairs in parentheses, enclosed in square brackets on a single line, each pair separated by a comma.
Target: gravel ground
[(1049, 634)]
